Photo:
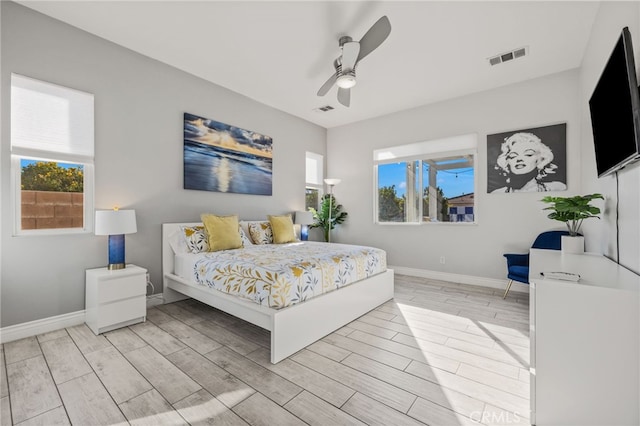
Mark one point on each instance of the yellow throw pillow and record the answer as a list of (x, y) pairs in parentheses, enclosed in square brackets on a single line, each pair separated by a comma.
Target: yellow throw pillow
[(222, 232), (282, 227)]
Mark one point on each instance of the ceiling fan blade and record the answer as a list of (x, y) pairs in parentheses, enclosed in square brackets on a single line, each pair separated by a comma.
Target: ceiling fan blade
[(350, 55), (328, 85), (376, 35), (344, 96)]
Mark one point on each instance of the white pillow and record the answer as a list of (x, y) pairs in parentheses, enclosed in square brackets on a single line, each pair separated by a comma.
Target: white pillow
[(246, 241), (177, 242), (244, 225)]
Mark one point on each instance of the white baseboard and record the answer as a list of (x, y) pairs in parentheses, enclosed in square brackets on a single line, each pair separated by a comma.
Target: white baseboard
[(459, 278), (155, 299), (45, 325)]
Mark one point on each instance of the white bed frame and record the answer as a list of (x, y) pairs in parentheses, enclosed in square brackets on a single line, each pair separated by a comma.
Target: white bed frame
[(294, 327)]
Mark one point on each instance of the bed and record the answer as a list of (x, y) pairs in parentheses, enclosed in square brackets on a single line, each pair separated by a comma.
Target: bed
[(293, 323)]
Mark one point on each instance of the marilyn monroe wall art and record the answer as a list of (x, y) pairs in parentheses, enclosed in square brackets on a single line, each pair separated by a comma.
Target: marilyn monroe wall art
[(528, 160)]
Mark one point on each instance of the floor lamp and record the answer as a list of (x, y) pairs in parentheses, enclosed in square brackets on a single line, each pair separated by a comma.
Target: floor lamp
[(331, 183)]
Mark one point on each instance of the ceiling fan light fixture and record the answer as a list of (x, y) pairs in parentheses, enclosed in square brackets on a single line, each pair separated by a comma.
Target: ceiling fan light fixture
[(346, 81), (352, 53)]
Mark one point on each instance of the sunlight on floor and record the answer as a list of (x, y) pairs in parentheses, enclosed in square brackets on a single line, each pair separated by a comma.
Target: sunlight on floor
[(473, 351)]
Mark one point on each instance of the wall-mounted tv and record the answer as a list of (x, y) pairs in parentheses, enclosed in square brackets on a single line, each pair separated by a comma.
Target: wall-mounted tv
[(615, 110)]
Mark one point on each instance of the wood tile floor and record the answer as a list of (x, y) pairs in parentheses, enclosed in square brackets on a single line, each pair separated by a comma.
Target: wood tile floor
[(438, 354)]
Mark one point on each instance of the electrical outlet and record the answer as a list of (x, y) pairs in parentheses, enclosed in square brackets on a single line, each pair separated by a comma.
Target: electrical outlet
[(442, 260)]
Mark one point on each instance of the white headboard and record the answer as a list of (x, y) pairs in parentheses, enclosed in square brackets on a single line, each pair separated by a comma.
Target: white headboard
[(167, 252)]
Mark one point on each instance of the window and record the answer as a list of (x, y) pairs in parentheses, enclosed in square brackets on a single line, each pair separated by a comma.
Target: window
[(52, 143), (314, 180), (430, 181)]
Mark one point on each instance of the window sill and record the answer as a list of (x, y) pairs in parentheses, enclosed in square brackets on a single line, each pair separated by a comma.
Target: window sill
[(50, 232)]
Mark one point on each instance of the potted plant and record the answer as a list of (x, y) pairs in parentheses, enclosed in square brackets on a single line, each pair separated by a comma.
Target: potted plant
[(328, 216), (573, 211)]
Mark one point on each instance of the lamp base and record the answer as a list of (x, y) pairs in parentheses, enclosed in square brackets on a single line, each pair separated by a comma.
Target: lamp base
[(116, 252), (115, 266)]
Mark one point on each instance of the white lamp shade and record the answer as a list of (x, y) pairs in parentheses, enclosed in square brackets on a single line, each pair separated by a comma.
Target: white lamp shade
[(115, 222), (304, 218), (331, 181)]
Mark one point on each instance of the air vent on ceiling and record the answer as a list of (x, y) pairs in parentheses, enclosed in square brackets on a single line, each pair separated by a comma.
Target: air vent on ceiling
[(519, 53), (508, 56), (324, 108)]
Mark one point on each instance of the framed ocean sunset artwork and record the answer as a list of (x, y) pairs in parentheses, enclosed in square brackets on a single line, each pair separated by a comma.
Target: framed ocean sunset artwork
[(223, 158)]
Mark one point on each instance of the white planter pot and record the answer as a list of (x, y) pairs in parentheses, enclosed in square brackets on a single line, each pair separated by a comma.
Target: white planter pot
[(573, 245)]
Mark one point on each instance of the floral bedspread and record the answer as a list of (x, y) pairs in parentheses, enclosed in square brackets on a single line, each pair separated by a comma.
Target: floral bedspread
[(280, 275)]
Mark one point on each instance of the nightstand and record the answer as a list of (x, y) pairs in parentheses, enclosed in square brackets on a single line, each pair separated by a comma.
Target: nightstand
[(115, 298)]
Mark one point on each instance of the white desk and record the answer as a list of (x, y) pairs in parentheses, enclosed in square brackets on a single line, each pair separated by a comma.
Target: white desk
[(585, 341)]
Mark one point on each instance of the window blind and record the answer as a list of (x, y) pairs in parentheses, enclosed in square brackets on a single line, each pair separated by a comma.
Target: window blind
[(314, 169), (49, 119), (452, 146)]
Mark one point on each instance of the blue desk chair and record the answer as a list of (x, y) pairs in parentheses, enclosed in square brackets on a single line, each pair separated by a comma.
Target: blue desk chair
[(518, 264)]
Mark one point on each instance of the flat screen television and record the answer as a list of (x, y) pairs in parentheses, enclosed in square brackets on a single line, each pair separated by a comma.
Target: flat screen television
[(615, 110)]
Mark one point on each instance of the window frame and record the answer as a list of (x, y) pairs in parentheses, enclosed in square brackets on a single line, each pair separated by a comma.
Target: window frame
[(88, 194), (319, 185), (19, 153), (420, 152)]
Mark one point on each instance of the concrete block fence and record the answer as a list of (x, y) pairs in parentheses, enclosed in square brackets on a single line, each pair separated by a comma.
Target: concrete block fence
[(50, 209)]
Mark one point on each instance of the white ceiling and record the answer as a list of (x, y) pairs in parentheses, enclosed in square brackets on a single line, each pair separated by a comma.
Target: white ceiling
[(281, 52)]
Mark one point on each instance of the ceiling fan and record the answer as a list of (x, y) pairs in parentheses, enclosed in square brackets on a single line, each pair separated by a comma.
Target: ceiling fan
[(352, 53)]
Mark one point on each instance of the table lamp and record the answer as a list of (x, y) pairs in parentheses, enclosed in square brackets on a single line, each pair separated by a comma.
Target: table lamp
[(304, 219), (115, 223)]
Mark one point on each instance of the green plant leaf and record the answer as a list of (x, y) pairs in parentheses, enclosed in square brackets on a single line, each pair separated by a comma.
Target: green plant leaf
[(572, 210), (322, 215)]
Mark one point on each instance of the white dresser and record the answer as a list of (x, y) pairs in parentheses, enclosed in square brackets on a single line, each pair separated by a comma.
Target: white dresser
[(585, 341), (115, 298)]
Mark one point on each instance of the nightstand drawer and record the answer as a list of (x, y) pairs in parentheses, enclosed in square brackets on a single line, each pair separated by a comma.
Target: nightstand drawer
[(122, 288), (122, 311)]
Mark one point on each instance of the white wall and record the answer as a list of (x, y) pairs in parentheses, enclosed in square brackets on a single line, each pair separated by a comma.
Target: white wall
[(139, 106), (506, 222), (611, 18)]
